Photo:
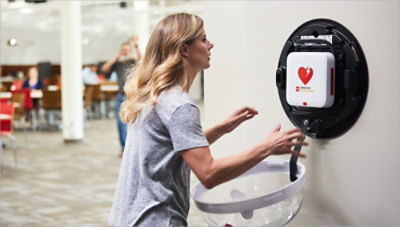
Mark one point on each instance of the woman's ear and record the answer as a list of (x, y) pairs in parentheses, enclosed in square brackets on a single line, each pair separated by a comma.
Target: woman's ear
[(184, 50)]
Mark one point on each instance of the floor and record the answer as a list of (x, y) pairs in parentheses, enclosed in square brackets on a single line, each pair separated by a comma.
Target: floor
[(63, 184)]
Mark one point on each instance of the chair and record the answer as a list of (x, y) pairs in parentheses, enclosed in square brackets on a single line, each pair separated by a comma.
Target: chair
[(51, 103), (6, 129), (17, 85), (109, 96), (6, 86), (54, 80), (3, 99), (87, 100), (93, 100), (45, 70), (18, 100), (26, 104), (98, 100)]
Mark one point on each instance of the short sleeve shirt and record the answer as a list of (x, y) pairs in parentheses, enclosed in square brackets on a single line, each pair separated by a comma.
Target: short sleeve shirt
[(121, 69), (153, 185)]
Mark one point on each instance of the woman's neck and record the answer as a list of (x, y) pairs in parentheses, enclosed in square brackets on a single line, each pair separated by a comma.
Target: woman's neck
[(191, 73), (33, 80)]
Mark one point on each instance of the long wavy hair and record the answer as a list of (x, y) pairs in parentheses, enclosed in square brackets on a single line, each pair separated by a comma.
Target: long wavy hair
[(162, 65)]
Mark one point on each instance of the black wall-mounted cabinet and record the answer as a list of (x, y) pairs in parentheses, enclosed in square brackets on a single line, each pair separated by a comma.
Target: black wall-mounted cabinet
[(351, 78)]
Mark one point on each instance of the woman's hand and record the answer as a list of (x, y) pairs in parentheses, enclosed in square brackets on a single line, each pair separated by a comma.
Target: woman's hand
[(214, 172), (228, 125), (278, 142), (238, 117)]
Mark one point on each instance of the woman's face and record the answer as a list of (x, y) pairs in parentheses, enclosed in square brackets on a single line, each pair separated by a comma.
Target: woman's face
[(199, 52), (33, 73)]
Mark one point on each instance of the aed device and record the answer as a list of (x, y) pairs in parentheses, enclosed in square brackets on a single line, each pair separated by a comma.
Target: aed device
[(310, 79), (322, 78)]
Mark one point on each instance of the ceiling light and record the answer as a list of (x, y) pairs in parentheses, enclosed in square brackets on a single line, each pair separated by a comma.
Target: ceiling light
[(12, 42)]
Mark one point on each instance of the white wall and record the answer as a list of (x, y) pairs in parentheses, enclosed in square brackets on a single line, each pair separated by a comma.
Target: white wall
[(351, 180)]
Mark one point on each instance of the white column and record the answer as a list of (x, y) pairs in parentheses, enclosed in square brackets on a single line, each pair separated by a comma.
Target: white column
[(71, 63), (142, 22)]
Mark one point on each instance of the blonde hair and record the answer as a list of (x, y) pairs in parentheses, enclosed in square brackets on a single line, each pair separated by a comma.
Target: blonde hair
[(162, 65)]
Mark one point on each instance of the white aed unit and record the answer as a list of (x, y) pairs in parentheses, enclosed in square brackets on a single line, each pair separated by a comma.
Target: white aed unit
[(310, 79)]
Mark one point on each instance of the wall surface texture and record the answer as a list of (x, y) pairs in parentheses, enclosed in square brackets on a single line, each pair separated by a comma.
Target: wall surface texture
[(351, 180)]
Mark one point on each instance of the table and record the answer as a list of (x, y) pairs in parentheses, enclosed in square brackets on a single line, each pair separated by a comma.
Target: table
[(5, 95), (5, 116), (109, 87), (35, 94)]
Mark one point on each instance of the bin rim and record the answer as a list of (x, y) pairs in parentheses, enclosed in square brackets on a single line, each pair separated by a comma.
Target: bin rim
[(272, 166)]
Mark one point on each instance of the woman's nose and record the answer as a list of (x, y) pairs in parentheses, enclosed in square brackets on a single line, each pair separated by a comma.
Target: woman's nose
[(211, 46)]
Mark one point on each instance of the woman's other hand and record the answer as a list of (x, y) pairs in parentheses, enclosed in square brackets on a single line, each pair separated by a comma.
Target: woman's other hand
[(238, 117)]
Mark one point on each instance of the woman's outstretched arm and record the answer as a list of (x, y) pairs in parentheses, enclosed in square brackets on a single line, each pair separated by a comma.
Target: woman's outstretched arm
[(214, 172)]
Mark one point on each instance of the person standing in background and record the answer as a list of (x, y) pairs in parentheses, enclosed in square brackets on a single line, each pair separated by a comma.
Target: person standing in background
[(120, 65)]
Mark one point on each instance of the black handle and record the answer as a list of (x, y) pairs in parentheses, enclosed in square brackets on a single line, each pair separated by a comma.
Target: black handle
[(293, 162), (313, 43), (281, 77)]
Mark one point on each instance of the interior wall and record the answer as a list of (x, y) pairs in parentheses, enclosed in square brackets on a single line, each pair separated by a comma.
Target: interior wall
[(350, 180)]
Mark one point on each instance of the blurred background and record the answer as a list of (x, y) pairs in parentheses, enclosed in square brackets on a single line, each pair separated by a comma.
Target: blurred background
[(60, 150)]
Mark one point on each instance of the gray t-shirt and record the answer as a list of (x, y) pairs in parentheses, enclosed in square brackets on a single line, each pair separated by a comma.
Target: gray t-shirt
[(121, 69), (153, 185)]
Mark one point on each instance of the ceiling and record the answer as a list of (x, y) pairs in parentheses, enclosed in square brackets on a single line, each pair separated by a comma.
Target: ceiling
[(104, 25), (46, 16)]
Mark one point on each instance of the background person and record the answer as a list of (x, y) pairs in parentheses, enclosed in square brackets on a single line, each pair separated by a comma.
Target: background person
[(120, 64), (89, 75), (33, 82), (165, 138)]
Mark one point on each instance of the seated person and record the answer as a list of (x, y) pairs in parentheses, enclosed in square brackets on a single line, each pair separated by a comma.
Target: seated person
[(89, 75), (33, 82)]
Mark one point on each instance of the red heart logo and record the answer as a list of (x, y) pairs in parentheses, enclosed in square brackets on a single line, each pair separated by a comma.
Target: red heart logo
[(305, 74)]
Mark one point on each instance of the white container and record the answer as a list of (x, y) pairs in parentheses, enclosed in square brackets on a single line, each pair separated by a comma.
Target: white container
[(263, 196)]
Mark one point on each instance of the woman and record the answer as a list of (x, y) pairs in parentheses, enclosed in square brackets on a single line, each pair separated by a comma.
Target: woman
[(165, 139), (33, 82)]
